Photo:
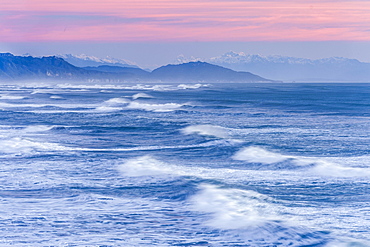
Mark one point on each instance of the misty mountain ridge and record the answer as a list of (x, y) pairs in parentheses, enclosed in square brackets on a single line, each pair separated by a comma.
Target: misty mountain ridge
[(241, 57), (92, 61), (291, 68), (252, 68), (28, 67)]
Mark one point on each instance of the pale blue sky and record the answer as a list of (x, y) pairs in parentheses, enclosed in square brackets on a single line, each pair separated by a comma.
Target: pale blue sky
[(153, 33)]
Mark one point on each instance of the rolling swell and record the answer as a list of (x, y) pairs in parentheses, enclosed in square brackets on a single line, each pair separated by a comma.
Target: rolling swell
[(184, 165)]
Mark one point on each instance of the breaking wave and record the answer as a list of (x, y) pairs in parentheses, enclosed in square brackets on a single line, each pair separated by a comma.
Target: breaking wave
[(206, 130), (192, 86), (319, 166), (141, 95), (144, 166), (21, 146), (234, 208), (117, 101), (11, 97), (112, 105), (152, 87), (56, 97), (37, 128), (259, 155), (168, 107)]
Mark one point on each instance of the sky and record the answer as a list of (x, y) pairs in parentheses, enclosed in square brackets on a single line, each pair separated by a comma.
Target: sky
[(156, 31)]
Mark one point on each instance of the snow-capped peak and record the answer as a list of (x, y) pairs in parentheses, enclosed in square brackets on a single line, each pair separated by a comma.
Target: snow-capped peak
[(182, 59), (234, 57), (85, 60), (242, 58)]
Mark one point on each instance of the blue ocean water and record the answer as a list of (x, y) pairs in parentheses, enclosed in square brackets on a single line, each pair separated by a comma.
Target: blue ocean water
[(185, 165)]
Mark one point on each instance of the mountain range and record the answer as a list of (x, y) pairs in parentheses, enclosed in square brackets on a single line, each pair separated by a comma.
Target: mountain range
[(229, 67), (291, 68), (276, 67), (28, 67), (56, 68)]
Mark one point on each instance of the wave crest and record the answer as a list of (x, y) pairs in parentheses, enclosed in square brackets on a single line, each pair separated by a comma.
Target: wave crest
[(115, 101), (141, 95), (20, 146), (314, 165), (206, 130), (144, 166), (234, 208), (259, 155), (168, 107)]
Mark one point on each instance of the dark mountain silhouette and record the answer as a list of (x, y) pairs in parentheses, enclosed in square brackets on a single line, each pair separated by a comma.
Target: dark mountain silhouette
[(19, 67), (201, 71), (119, 70), (28, 67)]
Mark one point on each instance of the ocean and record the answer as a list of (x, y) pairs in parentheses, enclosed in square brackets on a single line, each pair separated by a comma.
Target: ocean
[(270, 164)]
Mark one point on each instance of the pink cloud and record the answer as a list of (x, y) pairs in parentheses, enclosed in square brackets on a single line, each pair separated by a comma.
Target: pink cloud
[(184, 20)]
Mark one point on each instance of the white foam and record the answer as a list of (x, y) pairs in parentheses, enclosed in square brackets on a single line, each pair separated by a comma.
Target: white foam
[(149, 166), (37, 128), (11, 97), (90, 86), (117, 101), (56, 97), (206, 130), (161, 88), (155, 107), (18, 145), (46, 91), (112, 105), (144, 166), (8, 132), (8, 105), (192, 86), (314, 165), (141, 95), (325, 168), (233, 208), (259, 155), (147, 148), (152, 87)]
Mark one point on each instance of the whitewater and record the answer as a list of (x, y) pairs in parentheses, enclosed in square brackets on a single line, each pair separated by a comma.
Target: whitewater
[(272, 164)]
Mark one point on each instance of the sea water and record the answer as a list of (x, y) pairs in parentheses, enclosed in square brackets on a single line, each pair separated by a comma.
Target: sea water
[(185, 165)]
